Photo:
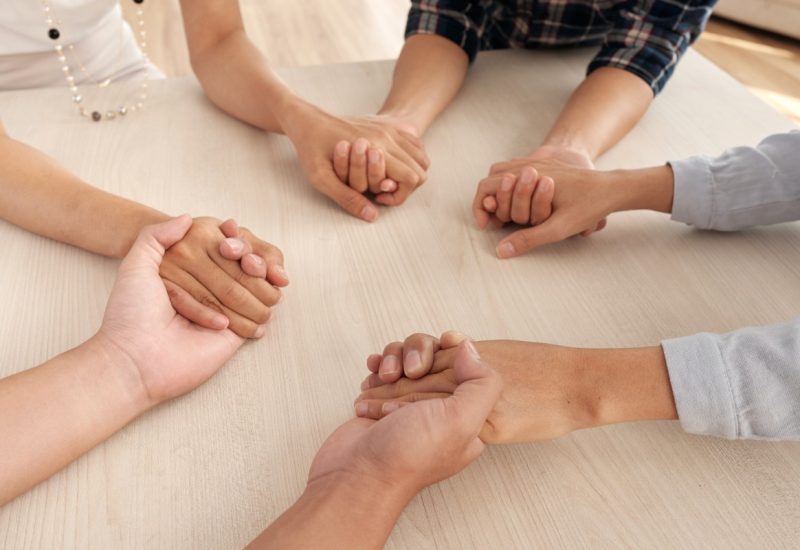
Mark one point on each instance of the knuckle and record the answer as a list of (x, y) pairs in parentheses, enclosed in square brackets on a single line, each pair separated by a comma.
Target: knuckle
[(319, 177), (241, 277), (276, 254), (392, 347), (524, 240), (418, 338), (181, 252), (263, 315), (234, 295), (245, 329), (352, 202), (209, 301)]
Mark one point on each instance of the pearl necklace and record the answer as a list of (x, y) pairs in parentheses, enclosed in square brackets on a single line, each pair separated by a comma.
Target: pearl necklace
[(62, 50)]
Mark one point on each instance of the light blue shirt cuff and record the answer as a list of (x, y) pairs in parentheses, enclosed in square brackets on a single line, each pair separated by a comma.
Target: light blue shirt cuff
[(693, 196), (701, 386)]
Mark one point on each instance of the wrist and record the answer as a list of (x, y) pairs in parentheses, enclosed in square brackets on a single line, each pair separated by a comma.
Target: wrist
[(119, 372), (568, 143), (364, 493), (292, 112), (137, 218), (625, 385), (404, 117), (643, 189)]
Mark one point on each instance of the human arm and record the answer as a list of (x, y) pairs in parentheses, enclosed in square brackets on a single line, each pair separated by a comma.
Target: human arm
[(367, 471), (427, 76), (440, 42), (740, 385), (237, 78), (41, 196), (599, 113), (638, 56), (209, 282), (548, 390), (743, 187), (143, 355)]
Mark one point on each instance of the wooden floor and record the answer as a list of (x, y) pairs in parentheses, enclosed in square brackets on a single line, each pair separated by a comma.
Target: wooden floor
[(316, 32)]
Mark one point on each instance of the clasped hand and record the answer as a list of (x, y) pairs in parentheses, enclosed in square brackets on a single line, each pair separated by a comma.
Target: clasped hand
[(344, 158)]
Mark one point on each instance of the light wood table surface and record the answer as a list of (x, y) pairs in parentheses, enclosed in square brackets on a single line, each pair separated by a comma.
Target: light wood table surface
[(212, 469)]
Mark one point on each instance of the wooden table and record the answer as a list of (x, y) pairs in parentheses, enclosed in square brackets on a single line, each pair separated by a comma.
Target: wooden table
[(212, 469)]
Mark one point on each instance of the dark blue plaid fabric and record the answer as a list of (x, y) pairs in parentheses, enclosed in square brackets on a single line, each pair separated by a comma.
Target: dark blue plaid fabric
[(644, 37)]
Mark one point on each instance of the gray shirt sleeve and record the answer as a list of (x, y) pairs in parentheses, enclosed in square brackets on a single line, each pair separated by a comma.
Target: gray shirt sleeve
[(740, 385), (744, 187)]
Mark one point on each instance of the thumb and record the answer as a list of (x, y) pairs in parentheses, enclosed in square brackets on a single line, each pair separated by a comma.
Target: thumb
[(524, 240), (153, 240), (349, 199), (478, 390)]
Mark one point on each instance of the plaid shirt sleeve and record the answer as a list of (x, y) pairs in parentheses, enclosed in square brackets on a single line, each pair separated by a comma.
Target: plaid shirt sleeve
[(460, 21), (650, 37)]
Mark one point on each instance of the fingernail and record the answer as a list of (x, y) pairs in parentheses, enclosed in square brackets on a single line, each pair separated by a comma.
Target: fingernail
[(389, 365), (256, 258), (472, 350), (413, 361), (389, 406), (369, 213), (387, 185), (507, 183), (361, 147), (505, 250), (280, 271), (374, 156), (260, 331), (235, 245), (341, 149), (362, 409)]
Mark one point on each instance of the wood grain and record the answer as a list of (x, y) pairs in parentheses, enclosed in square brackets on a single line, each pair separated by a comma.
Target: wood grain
[(210, 470)]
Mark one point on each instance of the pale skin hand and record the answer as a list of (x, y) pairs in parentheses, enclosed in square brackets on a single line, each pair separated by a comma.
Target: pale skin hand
[(600, 112), (580, 201), (428, 74), (143, 354), (548, 391), (367, 471), (236, 77), (366, 166), (39, 195), (318, 138)]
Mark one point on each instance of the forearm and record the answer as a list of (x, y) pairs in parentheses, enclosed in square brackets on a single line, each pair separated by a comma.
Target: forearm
[(236, 78), (623, 385), (427, 76), (337, 511), (600, 112), (41, 196), (52, 414)]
